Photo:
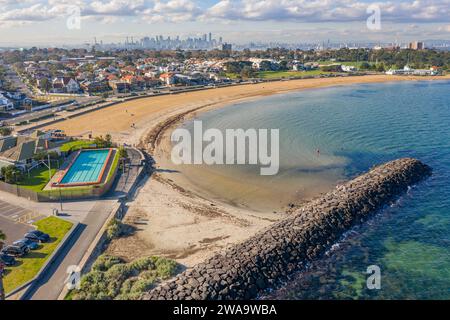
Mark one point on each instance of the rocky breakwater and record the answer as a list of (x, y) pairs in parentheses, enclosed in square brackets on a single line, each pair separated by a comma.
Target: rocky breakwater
[(271, 255)]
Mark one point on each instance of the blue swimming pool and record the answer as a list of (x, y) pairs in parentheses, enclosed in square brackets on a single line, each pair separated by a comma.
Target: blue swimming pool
[(87, 167)]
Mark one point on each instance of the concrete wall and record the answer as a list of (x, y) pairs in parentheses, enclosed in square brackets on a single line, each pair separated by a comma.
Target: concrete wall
[(268, 257)]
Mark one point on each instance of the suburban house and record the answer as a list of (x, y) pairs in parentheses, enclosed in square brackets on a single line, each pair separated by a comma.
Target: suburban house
[(258, 63), (20, 150), (120, 86), (168, 79), (5, 103), (94, 86), (65, 85)]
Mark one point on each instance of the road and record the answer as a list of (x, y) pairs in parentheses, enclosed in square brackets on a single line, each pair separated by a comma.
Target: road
[(15, 80), (50, 284)]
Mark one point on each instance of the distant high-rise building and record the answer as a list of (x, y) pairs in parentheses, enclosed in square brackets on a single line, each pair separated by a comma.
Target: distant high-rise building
[(416, 45), (227, 47), (210, 37)]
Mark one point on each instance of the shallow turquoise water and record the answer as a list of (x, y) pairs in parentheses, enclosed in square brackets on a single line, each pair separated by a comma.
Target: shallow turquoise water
[(356, 127), (87, 167)]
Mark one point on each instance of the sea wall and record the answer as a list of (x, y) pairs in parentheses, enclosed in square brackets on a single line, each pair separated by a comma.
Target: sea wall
[(271, 255)]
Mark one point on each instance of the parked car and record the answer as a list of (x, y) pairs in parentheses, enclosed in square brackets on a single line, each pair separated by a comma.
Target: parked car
[(7, 259), (16, 250), (37, 236), (32, 245)]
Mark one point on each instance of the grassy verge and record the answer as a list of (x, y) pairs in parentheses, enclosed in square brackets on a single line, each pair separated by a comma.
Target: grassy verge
[(28, 266), (114, 166), (38, 179), (75, 145)]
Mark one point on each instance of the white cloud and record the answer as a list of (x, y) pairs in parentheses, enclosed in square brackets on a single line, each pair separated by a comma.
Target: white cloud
[(412, 12), (326, 10), (172, 11)]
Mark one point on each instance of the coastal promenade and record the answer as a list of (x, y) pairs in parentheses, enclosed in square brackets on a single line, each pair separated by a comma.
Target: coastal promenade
[(260, 262)]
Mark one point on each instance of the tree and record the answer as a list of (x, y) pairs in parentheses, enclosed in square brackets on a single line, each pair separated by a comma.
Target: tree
[(5, 131), (108, 140), (247, 72), (123, 153), (266, 65), (11, 174), (365, 66), (101, 142), (381, 67), (45, 84)]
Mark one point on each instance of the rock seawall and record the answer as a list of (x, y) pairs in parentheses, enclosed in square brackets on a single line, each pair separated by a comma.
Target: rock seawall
[(269, 256)]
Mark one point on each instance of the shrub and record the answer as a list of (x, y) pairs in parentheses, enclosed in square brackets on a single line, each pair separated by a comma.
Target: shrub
[(166, 268), (115, 229), (105, 262), (5, 131), (120, 272), (111, 278), (142, 264), (140, 286)]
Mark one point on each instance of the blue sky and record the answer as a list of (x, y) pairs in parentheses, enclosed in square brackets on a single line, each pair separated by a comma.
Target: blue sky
[(240, 21)]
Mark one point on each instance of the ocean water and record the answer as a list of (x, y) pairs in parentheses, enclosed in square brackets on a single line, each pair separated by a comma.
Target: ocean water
[(356, 127)]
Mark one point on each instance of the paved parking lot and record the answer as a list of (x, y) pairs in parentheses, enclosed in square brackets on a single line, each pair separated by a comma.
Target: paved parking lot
[(13, 230), (14, 221), (16, 213)]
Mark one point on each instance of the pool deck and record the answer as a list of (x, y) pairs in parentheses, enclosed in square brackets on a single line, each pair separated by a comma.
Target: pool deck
[(59, 175), (100, 176)]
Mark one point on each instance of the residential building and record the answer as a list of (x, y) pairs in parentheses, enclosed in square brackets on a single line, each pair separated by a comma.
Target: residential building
[(416, 45), (94, 86), (168, 78), (348, 68), (5, 103), (19, 151), (433, 71), (65, 85)]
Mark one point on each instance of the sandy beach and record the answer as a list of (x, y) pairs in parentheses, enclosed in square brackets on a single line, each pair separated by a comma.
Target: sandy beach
[(172, 215)]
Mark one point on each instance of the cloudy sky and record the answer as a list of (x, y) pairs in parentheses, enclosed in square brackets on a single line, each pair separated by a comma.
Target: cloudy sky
[(28, 22)]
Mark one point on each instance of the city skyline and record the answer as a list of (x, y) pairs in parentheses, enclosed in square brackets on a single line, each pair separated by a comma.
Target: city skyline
[(285, 21)]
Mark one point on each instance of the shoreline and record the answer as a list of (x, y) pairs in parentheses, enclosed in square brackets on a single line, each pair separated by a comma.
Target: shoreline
[(173, 217)]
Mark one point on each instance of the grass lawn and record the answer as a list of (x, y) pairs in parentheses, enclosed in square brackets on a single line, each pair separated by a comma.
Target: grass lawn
[(29, 265), (288, 74), (232, 76), (38, 179), (75, 145), (345, 63)]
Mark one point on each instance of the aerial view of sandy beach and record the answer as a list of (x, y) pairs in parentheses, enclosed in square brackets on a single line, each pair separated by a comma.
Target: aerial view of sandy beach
[(184, 200), (231, 158)]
